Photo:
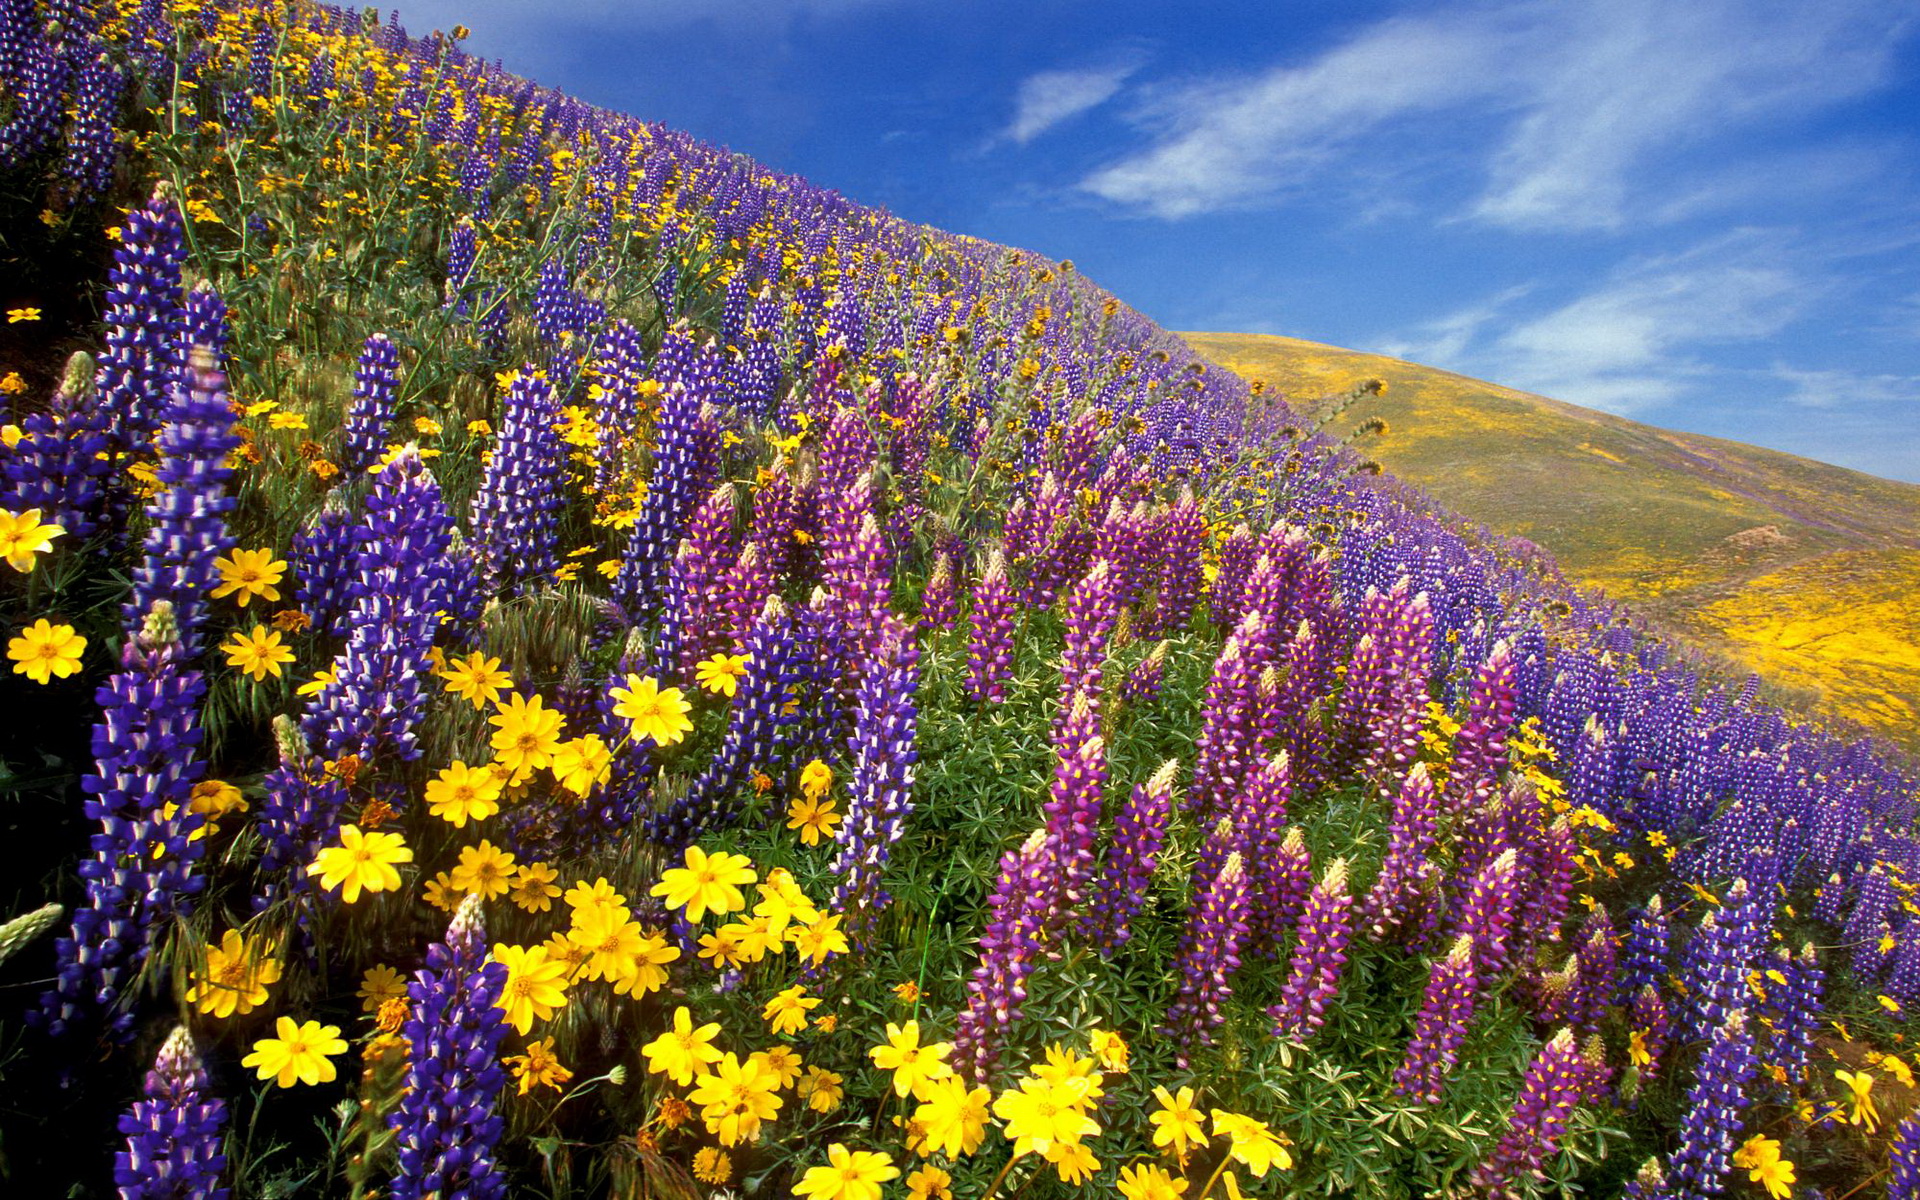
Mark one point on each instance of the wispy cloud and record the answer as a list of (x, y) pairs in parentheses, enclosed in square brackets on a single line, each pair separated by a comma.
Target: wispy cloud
[(1842, 389), (1044, 100), (1616, 85), (1229, 142), (1570, 108), (1634, 342)]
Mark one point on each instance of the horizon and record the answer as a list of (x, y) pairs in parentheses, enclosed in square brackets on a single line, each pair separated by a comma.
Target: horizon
[(1699, 218)]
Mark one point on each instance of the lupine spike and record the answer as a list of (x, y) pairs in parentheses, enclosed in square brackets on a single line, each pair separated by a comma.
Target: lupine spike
[(1446, 1011), (990, 657), (173, 1149), (1319, 955), (363, 436), (446, 1128), (1209, 955), (516, 510), (1548, 1097), (1139, 834)]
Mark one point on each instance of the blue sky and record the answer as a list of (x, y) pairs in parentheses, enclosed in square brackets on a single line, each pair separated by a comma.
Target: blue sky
[(1704, 215)]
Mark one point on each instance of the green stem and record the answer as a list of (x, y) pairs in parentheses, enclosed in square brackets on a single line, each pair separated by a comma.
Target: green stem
[(993, 1189), (1215, 1177)]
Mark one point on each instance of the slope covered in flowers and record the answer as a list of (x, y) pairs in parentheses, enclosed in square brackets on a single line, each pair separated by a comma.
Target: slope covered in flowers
[(1795, 569), (552, 658)]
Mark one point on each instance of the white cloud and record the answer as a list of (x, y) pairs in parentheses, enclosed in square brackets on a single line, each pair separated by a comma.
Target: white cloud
[(1633, 342), (1050, 97), (1846, 389), (1633, 78), (1587, 103), (1230, 142), (1445, 342)]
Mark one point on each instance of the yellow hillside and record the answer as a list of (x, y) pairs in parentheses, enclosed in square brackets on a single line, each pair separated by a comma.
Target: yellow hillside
[(1805, 572)]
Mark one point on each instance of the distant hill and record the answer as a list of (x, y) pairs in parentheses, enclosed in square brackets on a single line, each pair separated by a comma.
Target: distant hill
[(1805, 572)]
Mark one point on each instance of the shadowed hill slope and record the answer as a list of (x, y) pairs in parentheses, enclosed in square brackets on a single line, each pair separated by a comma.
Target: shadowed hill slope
[(1805, 572)]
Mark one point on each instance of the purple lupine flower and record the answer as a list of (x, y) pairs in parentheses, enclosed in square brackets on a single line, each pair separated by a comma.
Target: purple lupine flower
[(697, 570), (880, 788), (1548, 1097), (324, 554), (846, 452), (1598, 956), (990, 654), (92, 150), (682, 465), (376, 379), (1552, 860), (760, 734), (1591, 781), (1289, 879), (939, 600), (462, 253), (60, 463), (1446, 1012), (1325, 927), (373, 705), (303, 802), (1117, 543), (143, 870), (1724, 950), (858, 567), (1073, 805), (776, 515), (1903, 976), (744, 590), (1394, 730), (445, 1128), (1237, 554), (203, 322), (1795, 989), (37, 81), (1011, 947), (1551, 992), (173, 1132), (1487, 912), (1903, 1160), (1139, 834), (1710, 1119), (1051, 555), (1649, 1029), (1261, 814), (1142, 682), (1646, 957), (144, 355), (187, 526), (1873, 952), (1482, 833), (1384, 704), (1480, 748), (1179, 543), (1597, 1087), (1091, 613), (516, 511), (1648, 1183), (1223, 751), (1209, 954), (1296, 717), (1397, 900)]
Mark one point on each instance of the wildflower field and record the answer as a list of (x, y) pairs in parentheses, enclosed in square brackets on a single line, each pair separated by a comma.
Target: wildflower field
[(546, 658), (1799, 570)]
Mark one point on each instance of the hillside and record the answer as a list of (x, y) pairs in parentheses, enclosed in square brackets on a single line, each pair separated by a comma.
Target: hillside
[(1801, 571), (551, 658)]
